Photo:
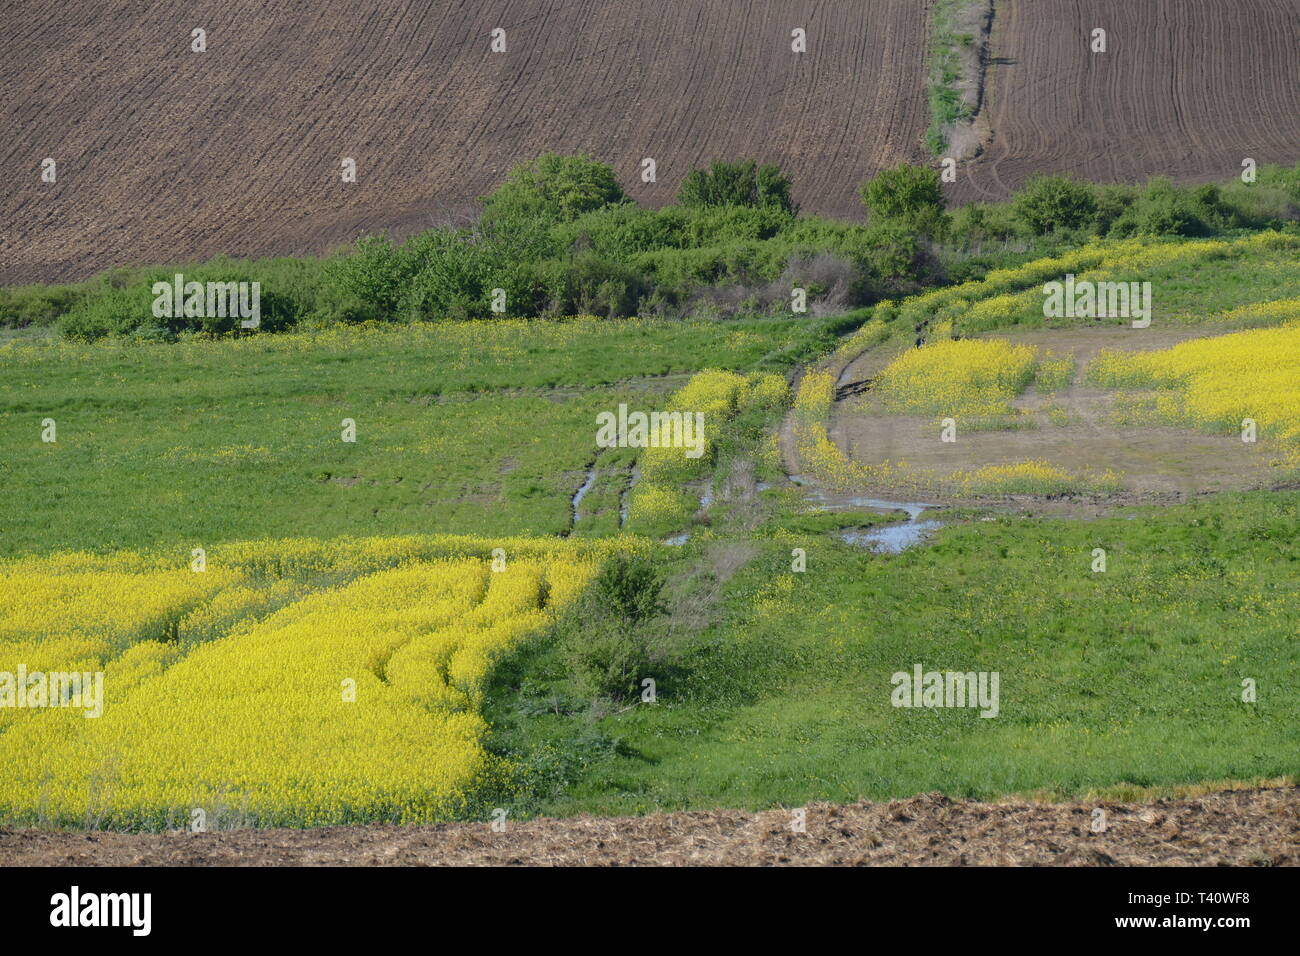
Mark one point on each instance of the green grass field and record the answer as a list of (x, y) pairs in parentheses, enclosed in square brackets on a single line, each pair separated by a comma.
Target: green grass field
[(773, 685), (474, 428), (1133, 676)]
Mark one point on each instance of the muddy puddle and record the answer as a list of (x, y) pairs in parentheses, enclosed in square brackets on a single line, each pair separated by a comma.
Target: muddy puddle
[(581, 493), (890, 539)]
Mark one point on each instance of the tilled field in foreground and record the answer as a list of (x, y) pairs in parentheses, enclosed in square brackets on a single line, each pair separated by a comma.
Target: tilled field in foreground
[(1240, 828)]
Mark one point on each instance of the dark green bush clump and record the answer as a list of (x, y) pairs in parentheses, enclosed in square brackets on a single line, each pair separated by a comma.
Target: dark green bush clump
[(603, 641), (561, 237)]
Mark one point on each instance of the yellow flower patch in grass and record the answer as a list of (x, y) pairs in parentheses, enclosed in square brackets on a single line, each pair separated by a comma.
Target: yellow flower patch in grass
[(1218, 383), (356, 701), (951, 378)]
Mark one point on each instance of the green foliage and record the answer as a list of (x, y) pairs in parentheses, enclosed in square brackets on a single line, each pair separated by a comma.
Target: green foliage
[(602, 642), (946, 48), (1163, 209), (892, 253), (560, 238), (737, 184), (1052, 203), (114, 312), (908, 196), (553, 188), (372, 276), (36, 304), (129, 310)]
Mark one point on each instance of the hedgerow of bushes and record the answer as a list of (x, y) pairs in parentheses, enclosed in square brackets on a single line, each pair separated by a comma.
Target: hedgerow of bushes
[(561, 237)]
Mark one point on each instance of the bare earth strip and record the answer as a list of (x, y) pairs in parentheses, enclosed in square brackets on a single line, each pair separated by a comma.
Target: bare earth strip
[(167, 155), (1159, 464), (1186, 89), (1239, 828)]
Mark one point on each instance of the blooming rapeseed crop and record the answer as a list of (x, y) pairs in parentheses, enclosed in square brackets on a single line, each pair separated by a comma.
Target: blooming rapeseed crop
[(353, 701)]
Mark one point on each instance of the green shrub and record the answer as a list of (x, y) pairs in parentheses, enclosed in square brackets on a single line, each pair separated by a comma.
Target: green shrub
[(554, 188), (129, 310), (737, 184), (375, 273), (1164, 209), (603, 641), (36, 304), (113, 312), (906, 196), (1054, 203)]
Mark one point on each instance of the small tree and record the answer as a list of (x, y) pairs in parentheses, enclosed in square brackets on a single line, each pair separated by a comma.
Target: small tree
[(737, 184), (375, 272), (603, 640), (1049, 203), (553, 188), (908, 196)]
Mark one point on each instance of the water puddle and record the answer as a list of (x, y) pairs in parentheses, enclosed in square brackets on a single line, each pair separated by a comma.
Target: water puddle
[(677, 540), (582, 493), (627, 492), (890, 539), (894, 538)]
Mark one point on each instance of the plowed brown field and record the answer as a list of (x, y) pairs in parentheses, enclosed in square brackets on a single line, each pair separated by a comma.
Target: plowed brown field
[(1234, 828), (165, 154), (1186, 89)]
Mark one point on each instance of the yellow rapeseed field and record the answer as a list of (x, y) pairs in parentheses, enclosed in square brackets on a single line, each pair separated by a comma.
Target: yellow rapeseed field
[(1217, 383), (358, 701), (950, 378)]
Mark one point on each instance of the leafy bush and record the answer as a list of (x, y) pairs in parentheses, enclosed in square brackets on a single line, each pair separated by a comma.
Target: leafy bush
[(375, 275), (115, 312), (129, 310), (603, 641), (36, 305), (737, 184), (1164, 209), (554, 188), (1053, 203), (908, 196)]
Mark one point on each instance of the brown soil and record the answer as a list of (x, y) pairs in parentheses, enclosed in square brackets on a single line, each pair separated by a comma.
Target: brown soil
[(1236, 828), (1186, 89), (1073, 429), (165, 155)]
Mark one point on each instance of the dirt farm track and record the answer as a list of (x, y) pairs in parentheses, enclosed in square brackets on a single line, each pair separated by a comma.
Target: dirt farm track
[(167, 155), (1236, 828)]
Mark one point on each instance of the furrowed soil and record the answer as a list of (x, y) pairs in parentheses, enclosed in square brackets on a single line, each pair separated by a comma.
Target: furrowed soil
[(168, 155), (1186, 89), (1259, 827)]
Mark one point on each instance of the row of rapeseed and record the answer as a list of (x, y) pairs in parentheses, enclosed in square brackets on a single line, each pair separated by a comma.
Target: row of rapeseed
[(659, 501), (355, 702), (1218, 383)]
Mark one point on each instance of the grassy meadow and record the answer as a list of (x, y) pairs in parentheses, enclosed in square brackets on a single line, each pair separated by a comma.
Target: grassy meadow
[(471, 428), (687, 634)]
